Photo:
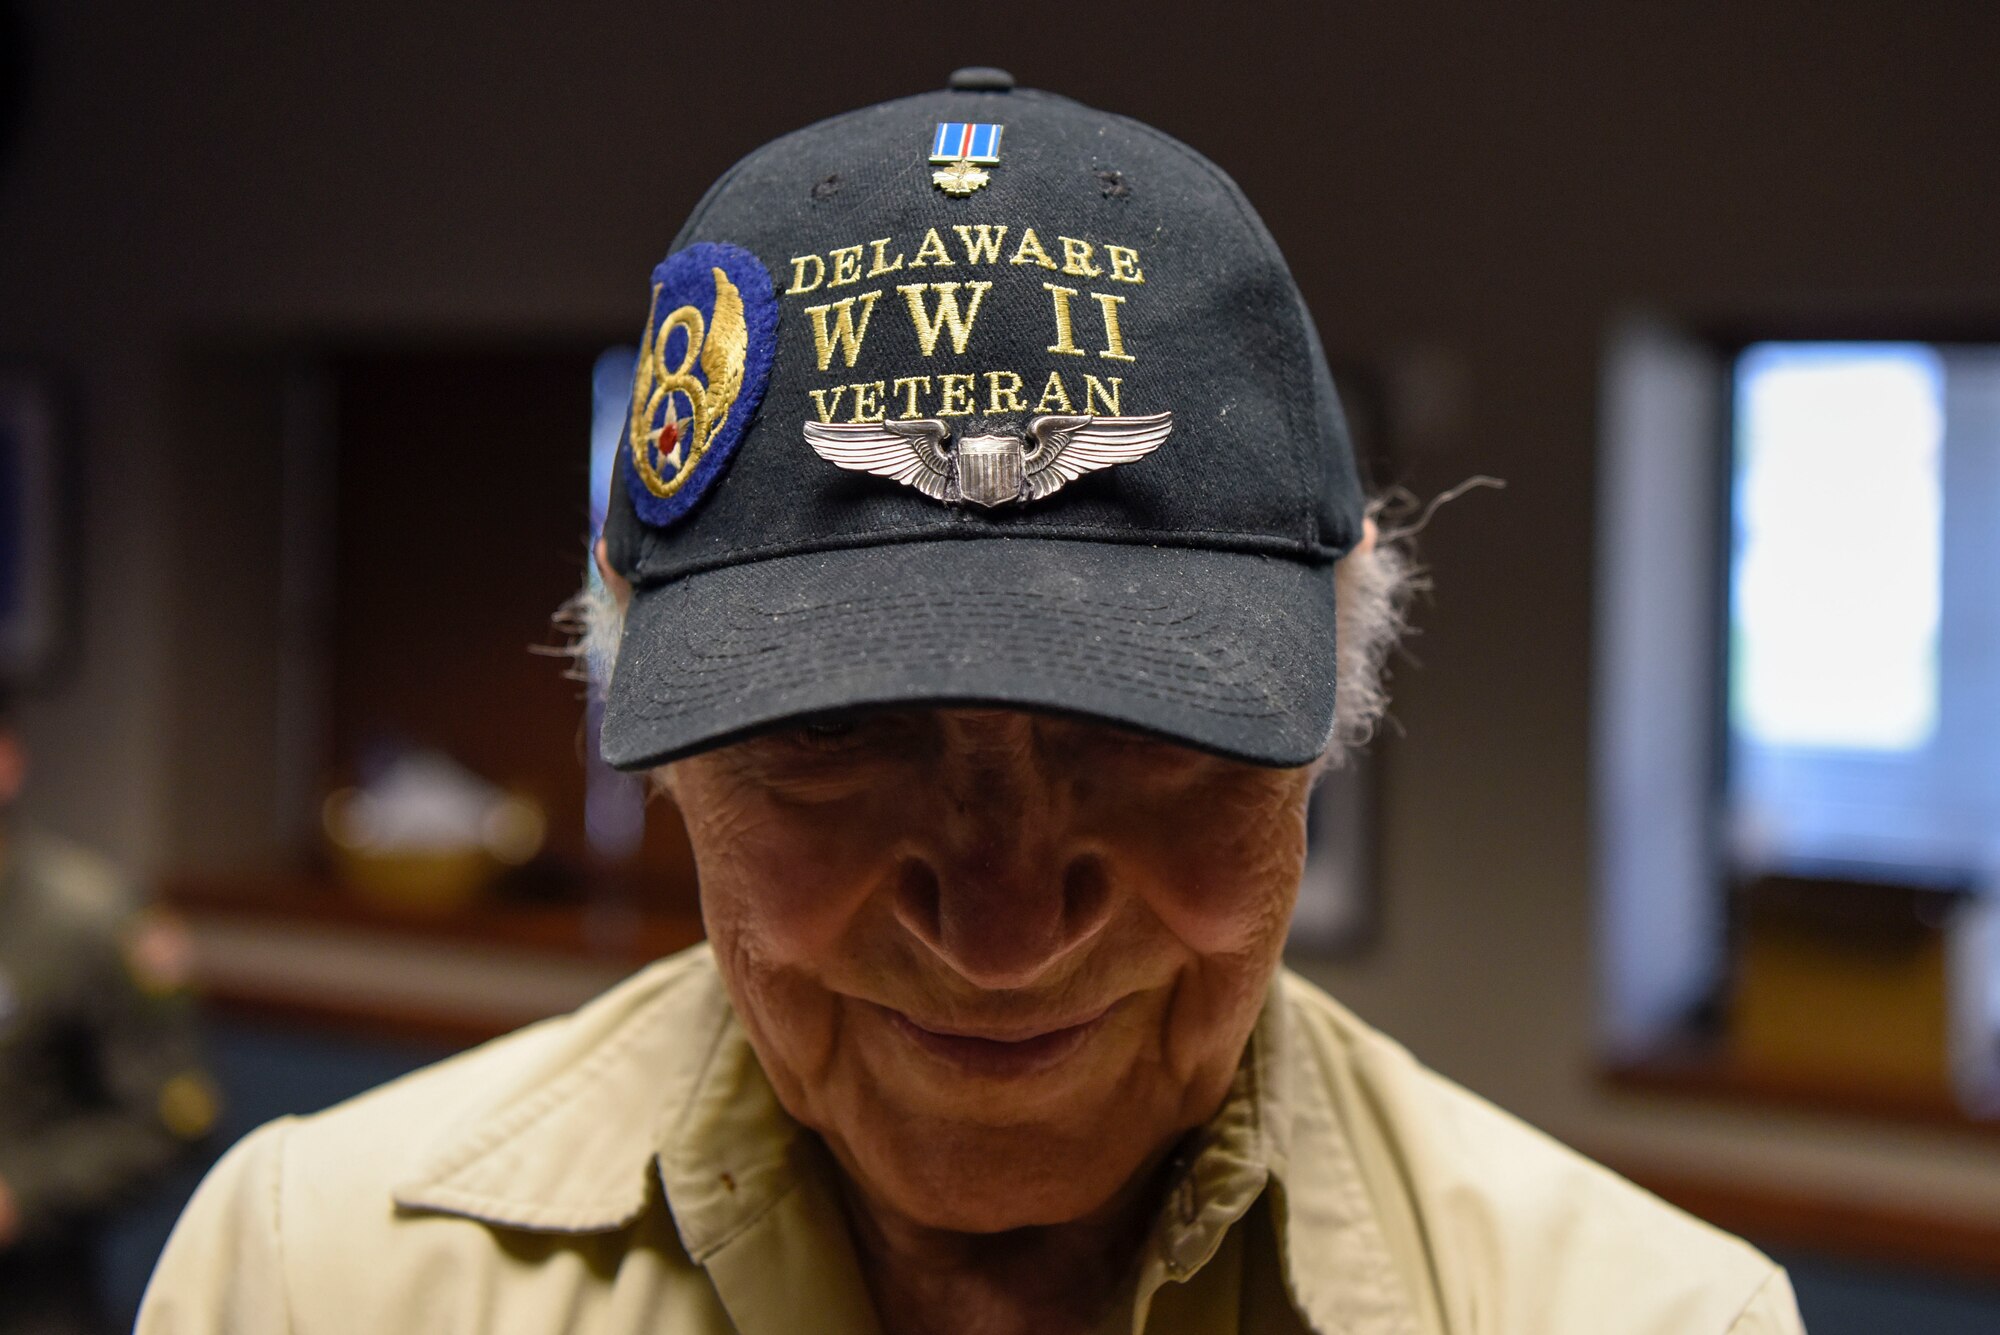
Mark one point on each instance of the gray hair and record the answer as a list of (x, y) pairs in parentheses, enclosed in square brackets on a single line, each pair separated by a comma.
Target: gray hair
[(1373, 588)]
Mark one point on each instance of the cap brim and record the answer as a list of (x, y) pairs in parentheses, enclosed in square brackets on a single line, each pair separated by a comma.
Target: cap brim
[(1228, 652)]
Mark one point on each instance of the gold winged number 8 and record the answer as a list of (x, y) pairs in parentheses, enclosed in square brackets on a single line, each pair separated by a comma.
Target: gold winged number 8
[(720, 349)]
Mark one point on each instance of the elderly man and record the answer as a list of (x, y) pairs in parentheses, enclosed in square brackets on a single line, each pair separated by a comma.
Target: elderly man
[(988, 580)]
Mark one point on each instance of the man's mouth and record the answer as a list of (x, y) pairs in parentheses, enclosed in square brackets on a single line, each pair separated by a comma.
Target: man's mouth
[(1002, 1052)]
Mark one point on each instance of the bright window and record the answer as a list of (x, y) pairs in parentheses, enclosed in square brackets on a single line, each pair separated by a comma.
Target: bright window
[(1838, 511), (1864, 701)]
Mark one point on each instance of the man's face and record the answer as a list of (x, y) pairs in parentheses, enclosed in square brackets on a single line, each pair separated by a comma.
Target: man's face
[(999, 961)]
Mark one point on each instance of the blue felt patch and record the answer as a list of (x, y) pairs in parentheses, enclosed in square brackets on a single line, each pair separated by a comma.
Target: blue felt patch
[(703, 363)]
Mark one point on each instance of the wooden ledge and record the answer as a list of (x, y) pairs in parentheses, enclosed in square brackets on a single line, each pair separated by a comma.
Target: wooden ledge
[(1712, 1077), (1881, 1234), (291, 950)]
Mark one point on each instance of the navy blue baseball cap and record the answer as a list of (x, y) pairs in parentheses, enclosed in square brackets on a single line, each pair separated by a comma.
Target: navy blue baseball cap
[(979, 397)]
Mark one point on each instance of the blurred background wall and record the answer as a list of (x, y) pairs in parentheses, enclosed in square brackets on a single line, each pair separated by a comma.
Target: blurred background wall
[(1470, 195)]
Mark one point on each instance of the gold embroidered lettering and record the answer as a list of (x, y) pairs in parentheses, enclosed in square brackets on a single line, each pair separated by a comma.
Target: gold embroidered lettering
[(985, 250), (846, 266), (954, 395), (1076, 257), (1055, 398), (846, 330), (932, 251), (1114, 339), (1030, 251), (867, 401), (879, 265), (1003, 393), (1065, 336), (928, 326), (825, 407), (799, 283), (1093, 389), (1125, 265), (910, 395)]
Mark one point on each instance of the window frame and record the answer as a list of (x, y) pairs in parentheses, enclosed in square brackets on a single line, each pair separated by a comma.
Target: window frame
[(1669, 913)]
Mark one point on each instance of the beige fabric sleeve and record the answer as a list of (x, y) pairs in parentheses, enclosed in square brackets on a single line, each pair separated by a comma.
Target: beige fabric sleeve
[(1772, 1310), (223, 1270)]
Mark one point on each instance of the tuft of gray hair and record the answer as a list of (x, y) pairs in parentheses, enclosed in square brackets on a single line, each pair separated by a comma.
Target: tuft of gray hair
[(593, 621), (1373, 590)]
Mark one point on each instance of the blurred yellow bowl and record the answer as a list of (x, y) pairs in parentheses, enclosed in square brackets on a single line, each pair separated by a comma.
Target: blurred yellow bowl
[(418, 882), (427, 884)]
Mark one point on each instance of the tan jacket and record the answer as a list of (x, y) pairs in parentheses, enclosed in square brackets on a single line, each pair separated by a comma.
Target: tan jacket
[(627, 1168)]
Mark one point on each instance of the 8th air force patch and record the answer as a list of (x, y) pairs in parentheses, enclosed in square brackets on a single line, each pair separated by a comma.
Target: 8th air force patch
[(710, 336)]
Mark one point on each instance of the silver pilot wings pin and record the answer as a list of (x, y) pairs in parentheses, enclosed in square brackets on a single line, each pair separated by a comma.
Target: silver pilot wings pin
[(988, 470)]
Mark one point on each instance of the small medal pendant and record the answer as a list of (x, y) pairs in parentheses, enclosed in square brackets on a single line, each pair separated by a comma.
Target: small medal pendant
[(963, 148), (960, 179)]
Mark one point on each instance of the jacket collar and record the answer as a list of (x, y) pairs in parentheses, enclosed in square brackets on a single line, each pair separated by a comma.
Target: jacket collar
[(658, 1076), (565, 1143)]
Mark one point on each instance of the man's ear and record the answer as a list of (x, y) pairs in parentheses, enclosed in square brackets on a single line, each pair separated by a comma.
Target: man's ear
[(666, 779), (621, 589)]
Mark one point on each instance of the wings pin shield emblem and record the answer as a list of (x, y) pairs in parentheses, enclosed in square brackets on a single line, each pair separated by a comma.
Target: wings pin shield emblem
[(988, 470)]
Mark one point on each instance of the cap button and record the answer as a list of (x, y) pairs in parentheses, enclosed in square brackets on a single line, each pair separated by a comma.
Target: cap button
[(981, 79)]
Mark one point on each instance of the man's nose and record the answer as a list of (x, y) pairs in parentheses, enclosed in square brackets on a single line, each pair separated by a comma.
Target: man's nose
[(1002, 887)]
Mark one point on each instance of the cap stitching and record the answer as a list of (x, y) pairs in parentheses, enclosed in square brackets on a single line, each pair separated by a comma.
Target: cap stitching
[(714, 671), (1228, 540), (1220, 707), (1157, 657), (713, 664)]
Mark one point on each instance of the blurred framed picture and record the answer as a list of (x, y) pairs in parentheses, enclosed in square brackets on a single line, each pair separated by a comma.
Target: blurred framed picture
[(30, 522), (1338, 909)]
